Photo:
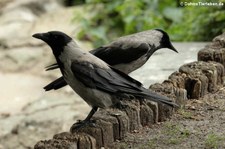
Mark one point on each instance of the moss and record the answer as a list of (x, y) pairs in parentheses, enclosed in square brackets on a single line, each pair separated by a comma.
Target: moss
[(124, 146), (152, 143), (184, 113), (175, 133), (213, 141)]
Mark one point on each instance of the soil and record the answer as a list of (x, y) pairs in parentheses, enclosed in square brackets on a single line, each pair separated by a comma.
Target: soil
[(199, 124)]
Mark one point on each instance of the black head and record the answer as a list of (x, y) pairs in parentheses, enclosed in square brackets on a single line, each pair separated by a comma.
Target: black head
[(165, 41), (55, 39)]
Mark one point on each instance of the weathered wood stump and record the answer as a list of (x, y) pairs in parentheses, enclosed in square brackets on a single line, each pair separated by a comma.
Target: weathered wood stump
[(215, 51), (166, 88), (110, 125), (193, 80), (68, 140), (202, 77)]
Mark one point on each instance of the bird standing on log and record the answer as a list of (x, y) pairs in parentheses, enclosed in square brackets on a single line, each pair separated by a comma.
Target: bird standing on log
[(126, 54), (99, 84)]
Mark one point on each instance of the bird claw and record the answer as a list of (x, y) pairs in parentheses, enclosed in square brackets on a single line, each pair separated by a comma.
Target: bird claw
[(81, 124)]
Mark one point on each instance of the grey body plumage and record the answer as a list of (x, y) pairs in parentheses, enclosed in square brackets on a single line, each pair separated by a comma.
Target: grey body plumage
[(126, 54), (100, 85)]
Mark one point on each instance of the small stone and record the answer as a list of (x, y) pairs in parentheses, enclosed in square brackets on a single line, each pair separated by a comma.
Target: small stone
[(192, 108), (135, 131)]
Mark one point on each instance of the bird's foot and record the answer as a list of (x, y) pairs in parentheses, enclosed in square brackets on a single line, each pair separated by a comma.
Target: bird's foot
[(81, 124)]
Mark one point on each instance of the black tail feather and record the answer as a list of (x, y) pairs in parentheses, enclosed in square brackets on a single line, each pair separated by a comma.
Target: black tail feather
[(150, 95), (58, 83), (51, 67)]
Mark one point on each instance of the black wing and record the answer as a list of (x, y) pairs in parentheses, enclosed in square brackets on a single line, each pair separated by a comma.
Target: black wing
[(58, 83), (114, 82), (112, 55), (116, 54)]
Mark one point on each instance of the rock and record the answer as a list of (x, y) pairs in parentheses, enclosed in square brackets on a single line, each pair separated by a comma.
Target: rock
[(166, 88), (37, 7), (31, 111), (39, 120), (203, 77), (23, 100), (219, 41), (35, 130), (181, 96), (16, 24), (154, 107), (67, 140), (53, 144), (51, 21), (178, 79), (8, 124), (109, 115), (196, 79), (110, 125), (193, 80), (17, 18), (19, 86), (132, 109), (215, 51), (123, 121), (196, 83), (20, 58), (209, 54), (146, 115)]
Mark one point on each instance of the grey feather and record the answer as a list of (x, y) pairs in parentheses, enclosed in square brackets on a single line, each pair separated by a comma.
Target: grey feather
[(99, 84), (114, 82)]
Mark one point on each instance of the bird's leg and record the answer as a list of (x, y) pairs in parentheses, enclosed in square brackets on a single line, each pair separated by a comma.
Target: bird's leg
[(85, 122), (91, 113)]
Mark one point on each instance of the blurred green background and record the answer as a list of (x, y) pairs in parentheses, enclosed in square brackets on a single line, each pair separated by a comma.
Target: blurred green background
[(113, 18)]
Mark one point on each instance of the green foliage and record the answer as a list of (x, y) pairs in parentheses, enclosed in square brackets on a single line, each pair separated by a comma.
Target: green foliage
[(198, 24), (213, 141), (113, 18), (175, 134), (184, 113)]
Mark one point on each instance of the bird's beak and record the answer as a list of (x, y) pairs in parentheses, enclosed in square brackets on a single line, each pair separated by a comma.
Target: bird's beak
[(42, 36), (172, 48)]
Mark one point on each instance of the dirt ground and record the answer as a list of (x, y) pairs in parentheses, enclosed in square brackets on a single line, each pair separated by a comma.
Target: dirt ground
[(199, 124)]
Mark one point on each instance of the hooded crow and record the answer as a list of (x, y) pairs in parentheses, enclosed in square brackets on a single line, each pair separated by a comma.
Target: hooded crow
[(99, 84), (126, 54)]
